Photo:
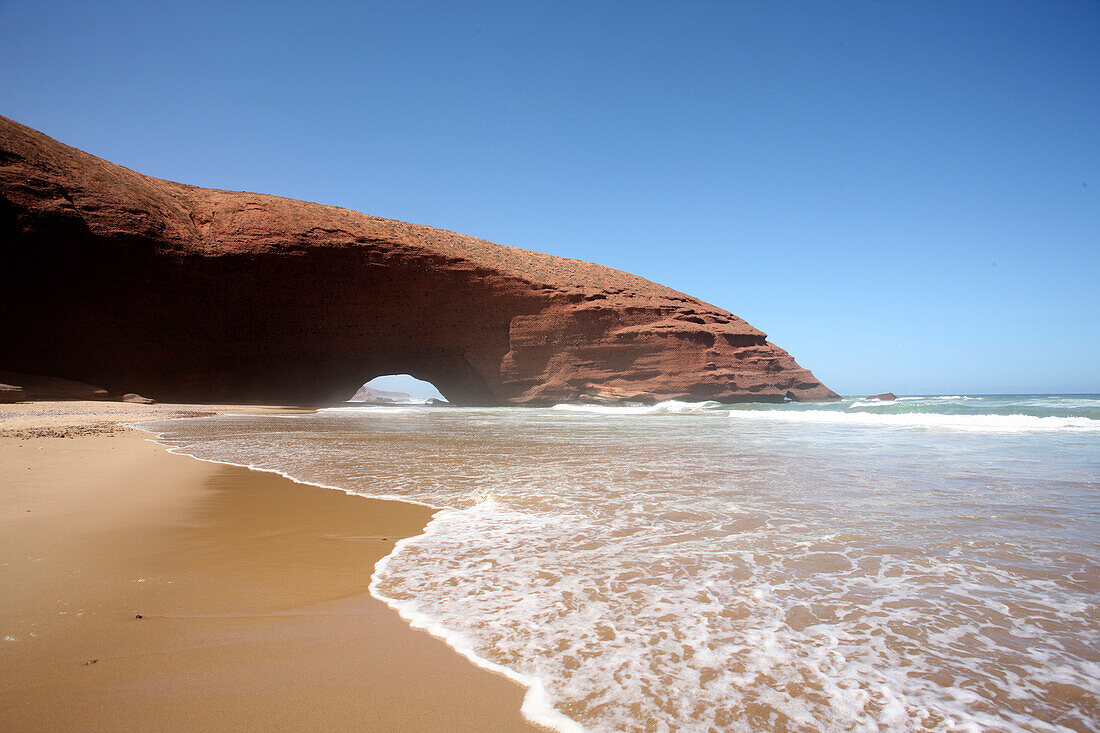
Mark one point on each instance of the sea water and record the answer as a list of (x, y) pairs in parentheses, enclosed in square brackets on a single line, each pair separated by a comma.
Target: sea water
[(931, 563)]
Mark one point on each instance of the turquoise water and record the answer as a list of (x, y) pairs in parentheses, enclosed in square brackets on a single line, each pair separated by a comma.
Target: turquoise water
[(931, 563)]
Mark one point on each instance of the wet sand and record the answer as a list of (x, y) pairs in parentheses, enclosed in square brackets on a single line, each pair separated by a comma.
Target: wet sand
[(251, 591)]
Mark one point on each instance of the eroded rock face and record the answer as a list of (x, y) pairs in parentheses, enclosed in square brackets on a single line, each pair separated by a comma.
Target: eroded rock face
[(191, 294)]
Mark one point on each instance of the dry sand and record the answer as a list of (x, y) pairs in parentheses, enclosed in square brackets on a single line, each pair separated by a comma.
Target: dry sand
[(251, 588)]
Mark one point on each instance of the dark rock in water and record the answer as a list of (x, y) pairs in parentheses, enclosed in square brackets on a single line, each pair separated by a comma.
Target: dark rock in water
[(12, 393), (194, 294), (38, 387), (137, 399), (885, 396), (433, 402)]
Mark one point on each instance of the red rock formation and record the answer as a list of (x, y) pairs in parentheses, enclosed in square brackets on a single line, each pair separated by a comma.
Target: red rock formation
[(191, 294)]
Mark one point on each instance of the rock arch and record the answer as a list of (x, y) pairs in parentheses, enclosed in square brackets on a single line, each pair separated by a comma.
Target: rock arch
[(191, 294)]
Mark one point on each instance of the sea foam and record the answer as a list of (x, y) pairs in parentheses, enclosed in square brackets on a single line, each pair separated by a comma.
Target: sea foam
[(925, 420), (850, 414), (654, 568), (669, 407)]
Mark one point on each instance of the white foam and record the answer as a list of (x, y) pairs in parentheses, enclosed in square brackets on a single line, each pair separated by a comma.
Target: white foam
[(927, 398), (537, 704), (926, 420), (661, 408), (869, 403), (673, 571), (356, 409)]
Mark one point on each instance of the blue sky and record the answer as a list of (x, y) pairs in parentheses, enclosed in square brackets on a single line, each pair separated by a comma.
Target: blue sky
[(903, 195)]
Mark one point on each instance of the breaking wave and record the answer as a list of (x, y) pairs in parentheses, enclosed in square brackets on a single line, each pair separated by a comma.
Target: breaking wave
[(808, 567), (925, 420), (939, 412)]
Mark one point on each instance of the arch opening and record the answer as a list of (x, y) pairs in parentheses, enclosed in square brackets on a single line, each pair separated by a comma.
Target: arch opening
[(399, 389)]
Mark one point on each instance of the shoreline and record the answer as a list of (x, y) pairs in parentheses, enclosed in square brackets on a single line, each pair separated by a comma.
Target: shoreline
[(253, 591), (536, 708)]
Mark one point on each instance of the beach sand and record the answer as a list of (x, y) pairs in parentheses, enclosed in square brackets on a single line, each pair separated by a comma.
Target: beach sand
[(251, 591)]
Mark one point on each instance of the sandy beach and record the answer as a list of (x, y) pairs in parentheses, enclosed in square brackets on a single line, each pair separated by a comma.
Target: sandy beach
[(144, 590)]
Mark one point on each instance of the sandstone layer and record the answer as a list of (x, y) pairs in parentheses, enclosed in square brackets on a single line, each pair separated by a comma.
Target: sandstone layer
[(183, 293)]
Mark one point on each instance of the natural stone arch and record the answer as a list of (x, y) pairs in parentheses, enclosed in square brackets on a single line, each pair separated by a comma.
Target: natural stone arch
[(190, 294)]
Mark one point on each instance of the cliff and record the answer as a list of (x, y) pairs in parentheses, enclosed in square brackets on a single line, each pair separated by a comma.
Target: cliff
[(183, 293), (370, 394)]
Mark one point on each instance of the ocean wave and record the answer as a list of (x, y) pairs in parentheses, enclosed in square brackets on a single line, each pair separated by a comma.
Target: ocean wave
[(1064, 403), (679, 570), (353, 409), (538, 703), (925, 420), (932, 399), (934, 413), (669, 407), (910, 402)]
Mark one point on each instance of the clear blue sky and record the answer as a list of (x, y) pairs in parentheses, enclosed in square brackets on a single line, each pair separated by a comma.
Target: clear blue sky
[(903, 195)]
